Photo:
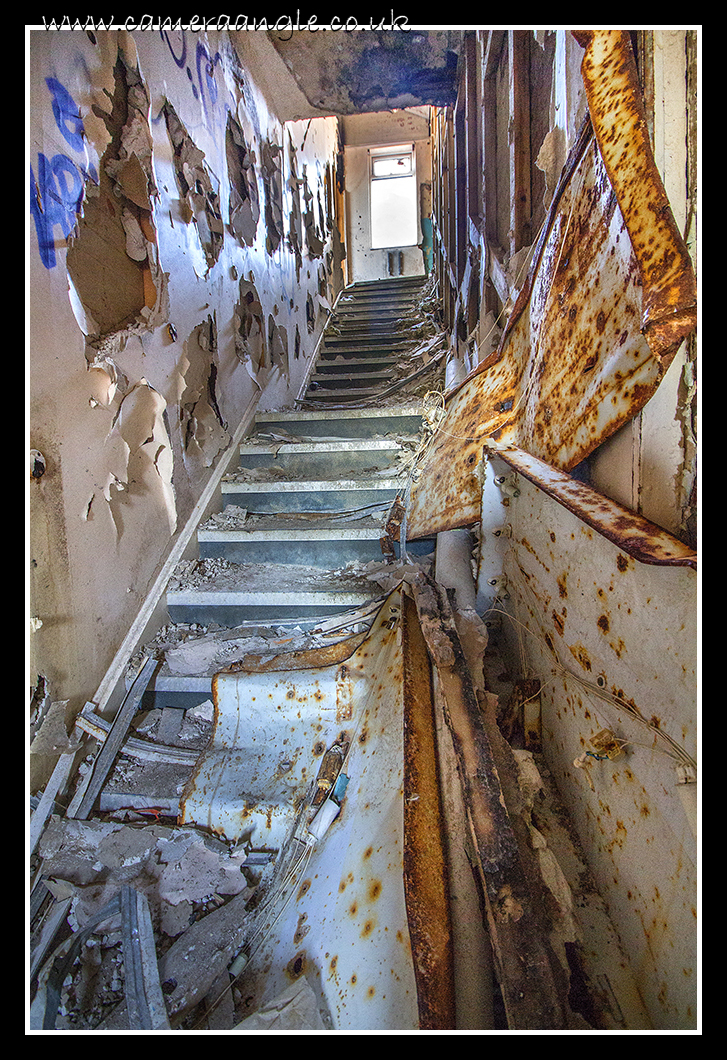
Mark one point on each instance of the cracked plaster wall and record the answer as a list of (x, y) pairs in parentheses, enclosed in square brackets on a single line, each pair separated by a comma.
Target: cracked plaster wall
[(164, 304)]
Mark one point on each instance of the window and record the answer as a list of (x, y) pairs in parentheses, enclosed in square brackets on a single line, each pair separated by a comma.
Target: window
[(393, 197)]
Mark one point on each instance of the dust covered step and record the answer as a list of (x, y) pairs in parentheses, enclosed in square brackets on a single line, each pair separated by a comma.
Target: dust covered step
[(231, 593), (273, 494), (392, 420), (295, 539), (320, 539), (311, 458)]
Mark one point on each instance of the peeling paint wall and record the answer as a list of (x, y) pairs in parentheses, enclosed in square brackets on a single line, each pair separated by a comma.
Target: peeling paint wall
[(183, 256)]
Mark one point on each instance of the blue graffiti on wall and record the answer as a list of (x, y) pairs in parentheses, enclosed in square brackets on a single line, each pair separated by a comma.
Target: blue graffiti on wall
[(56, 189), (205, 89)]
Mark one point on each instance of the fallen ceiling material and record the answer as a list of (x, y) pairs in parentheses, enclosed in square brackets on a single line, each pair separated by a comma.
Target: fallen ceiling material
[(334, 789), (609, 297)]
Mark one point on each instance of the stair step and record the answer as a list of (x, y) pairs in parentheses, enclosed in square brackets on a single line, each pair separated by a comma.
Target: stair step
[(311, 495), (230, 608), (388, 312), (356, 351), (313, 459), (354, 362), (294, 539), (343, 379), (403, 419), (321, 394), (326, 547), (366, 338), (390, 283), (233, 593), (178, 692), (356, 328)]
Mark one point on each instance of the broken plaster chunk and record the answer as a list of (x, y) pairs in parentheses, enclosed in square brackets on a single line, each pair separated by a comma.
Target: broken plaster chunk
[(529, 780), (52, 738), (296, 1008), (203, 711), (202, 953)]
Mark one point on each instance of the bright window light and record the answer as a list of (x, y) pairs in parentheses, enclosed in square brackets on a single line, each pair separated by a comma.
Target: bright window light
[(393, 198)]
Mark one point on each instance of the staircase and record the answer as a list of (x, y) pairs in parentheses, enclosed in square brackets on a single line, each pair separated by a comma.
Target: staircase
[(286, 561), (361, 344), (282, 579)]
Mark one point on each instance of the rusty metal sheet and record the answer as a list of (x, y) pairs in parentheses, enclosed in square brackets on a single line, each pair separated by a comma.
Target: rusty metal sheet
[(633, 534), (614, 643), (426, 879), (614, 100), (609, 296), (362, 913)]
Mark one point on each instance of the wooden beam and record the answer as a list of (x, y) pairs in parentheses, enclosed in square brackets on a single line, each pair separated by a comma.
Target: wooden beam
[(84, 799), (519, 139), (473, 105)]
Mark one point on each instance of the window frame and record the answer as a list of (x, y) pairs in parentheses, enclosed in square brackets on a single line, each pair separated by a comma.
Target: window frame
[(383, 151)]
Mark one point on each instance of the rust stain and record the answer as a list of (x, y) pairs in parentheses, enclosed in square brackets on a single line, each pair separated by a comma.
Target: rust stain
[(630, 532), (580, 654), (301, 930), (374, 890), (296, 965), (610, 295)]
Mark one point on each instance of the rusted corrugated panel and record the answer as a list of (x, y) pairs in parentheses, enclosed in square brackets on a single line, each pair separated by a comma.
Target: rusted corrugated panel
[(633, 534), (609, 296)]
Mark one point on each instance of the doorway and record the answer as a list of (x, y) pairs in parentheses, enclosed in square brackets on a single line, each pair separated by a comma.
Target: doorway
[(393, 197)]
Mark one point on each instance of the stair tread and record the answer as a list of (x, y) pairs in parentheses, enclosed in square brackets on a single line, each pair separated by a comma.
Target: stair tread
[(218, 577), (340, 360), (327, 376), (383, 480)]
